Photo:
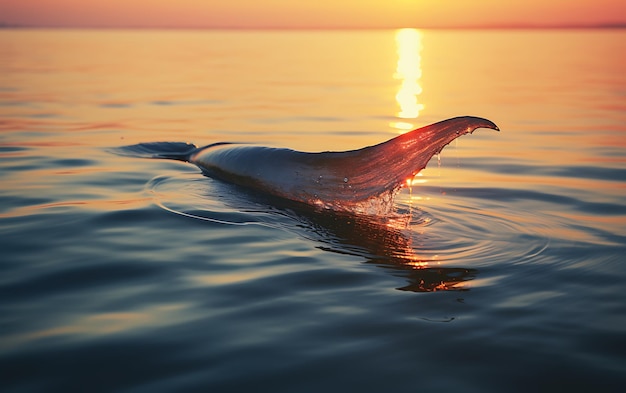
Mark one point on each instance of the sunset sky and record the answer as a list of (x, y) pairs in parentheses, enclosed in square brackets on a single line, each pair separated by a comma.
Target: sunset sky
[(309, 14)]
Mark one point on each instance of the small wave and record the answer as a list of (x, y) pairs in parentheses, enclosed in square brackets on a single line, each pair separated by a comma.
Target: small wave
[(606, 173), (197, 198), (167, 150), (510, 195)]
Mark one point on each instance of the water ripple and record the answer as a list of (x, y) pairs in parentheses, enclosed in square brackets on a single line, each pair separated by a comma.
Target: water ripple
[(438, 247)]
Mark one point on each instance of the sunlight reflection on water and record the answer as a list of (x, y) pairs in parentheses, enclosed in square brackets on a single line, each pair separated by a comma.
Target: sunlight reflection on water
[(409, 71)]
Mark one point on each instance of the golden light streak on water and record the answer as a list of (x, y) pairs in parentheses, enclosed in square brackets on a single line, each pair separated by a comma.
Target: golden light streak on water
[(409, 72)]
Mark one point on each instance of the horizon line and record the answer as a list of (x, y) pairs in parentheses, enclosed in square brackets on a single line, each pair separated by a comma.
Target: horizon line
[(564, 26)]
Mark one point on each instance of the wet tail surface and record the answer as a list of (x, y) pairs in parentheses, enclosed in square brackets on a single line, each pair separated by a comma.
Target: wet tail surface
[(362, 181)]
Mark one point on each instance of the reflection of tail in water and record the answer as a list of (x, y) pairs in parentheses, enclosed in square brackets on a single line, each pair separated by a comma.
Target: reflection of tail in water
[(362, 181), (385, 243)]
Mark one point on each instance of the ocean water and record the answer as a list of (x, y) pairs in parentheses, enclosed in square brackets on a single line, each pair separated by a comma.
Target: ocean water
[(501, 268)]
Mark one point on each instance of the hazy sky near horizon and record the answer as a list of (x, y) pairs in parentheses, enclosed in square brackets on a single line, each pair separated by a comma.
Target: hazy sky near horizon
[(309, 14)]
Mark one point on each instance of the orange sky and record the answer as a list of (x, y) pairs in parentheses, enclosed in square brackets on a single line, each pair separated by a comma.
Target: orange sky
[(310, 13)]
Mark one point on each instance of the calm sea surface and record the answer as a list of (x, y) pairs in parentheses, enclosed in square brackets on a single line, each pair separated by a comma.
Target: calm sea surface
[(503, 267)]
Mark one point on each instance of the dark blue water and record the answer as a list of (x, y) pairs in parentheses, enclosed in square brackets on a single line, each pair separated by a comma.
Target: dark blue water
[(501, 269)]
